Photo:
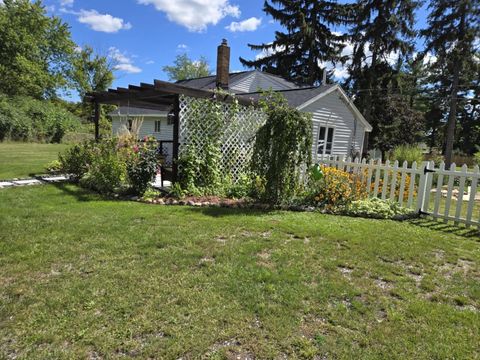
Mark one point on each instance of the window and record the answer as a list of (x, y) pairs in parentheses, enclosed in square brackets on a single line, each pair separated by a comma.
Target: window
[(158, 124), (325, 140), (170, 120), (129, 125)]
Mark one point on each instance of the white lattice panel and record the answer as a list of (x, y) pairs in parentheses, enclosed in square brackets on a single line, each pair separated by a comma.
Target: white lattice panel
[(237, 132)]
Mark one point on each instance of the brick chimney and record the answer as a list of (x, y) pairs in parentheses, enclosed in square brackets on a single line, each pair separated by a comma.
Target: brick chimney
[(223, 65)]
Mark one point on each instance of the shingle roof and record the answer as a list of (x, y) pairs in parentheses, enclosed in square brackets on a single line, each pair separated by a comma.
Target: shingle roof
[(210, 82), (295, 97)]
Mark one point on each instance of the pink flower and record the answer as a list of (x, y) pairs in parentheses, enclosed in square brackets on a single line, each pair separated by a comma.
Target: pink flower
[(135, 148)]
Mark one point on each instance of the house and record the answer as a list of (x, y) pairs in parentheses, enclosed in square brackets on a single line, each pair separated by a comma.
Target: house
[(338, 127)]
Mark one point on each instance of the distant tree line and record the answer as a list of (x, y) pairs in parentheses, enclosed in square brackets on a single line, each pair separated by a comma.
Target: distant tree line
[(408, 94), (39, 61)]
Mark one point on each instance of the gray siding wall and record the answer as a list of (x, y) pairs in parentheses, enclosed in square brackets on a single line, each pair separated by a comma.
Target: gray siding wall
[(333, 112), (148, 128)]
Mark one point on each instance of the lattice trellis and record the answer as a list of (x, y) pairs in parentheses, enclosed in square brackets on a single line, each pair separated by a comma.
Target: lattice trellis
[(237, 131)]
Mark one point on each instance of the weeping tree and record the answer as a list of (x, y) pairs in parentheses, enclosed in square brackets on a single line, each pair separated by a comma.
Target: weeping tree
[(283, 148)]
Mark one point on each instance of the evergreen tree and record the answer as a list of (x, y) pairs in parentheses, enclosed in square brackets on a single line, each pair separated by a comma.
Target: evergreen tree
[(298, 53), (453, 28), (379, 30)]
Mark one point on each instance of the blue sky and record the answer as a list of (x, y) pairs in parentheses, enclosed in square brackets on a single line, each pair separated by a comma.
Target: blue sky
[(145, 35)]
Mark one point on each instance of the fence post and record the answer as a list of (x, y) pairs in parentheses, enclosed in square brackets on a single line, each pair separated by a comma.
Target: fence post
[(429, 170), (422, 186), (461, 189), (473, 193)]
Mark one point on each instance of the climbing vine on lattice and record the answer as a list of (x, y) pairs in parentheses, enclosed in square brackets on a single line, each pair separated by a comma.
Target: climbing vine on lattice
[(216, 141)]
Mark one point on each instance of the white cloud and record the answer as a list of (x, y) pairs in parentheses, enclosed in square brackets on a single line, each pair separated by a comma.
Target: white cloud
[(195, 15), (102, 22), (128, 68), (182, 47), (251, 24), (66, 3), (123, 62), (150, 62)]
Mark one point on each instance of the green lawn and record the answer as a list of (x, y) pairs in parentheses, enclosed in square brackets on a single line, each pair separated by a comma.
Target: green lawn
[(82, 277), (19, 160)]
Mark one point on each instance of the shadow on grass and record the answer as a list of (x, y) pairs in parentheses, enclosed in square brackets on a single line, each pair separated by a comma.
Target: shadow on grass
[(446, 228), (77, 192), (224, 211)]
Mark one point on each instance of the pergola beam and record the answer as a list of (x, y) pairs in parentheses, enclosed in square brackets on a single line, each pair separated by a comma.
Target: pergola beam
[(158, 93)]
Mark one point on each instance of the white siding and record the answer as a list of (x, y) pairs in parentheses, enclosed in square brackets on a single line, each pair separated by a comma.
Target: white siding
[(148, 128), (331, 111)]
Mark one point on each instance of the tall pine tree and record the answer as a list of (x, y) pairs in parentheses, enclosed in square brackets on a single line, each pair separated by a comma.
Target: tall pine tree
[(307, 42), (379, 30), (453, 28)]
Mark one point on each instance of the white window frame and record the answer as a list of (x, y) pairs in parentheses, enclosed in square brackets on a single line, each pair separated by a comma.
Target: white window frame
[(327, 128), (159, 130)]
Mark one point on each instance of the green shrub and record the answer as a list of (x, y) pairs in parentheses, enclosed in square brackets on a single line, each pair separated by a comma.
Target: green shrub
[(77, 159), (241, 189), (142, 164), (476, 158), (107, 170), (27, 119), (408, 153), (54, 167), (379, 209)]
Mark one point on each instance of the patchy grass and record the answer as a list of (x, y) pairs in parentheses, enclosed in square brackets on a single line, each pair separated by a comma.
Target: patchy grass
[(19, 160), (82, 277)]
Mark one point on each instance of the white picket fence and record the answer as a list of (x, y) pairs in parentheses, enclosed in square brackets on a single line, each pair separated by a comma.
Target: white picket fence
[(446, 194)]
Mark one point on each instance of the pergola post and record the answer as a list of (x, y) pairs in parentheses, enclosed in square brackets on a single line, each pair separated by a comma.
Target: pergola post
[(96, 119), (176, 126)]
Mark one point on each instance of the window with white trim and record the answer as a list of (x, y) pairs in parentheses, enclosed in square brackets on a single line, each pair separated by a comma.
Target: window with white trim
[(158, 125), (325, 140)]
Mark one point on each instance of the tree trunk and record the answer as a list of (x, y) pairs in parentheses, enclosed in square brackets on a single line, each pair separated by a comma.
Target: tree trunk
[(452, 116)]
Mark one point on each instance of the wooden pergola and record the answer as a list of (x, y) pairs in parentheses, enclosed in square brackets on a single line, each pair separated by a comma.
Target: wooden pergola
[(160, 95)]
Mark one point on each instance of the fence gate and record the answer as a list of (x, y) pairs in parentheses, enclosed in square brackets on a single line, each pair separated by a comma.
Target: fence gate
[(445, 194)]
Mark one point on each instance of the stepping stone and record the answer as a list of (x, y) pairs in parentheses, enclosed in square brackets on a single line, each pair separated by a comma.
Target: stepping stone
[(53, 179), (27, 182), (5, 184)]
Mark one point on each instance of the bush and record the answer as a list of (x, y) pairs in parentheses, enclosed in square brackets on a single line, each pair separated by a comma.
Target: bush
[(54, 167), (379, 209), (107, 170), (77, 159), (476, 158), (27, 119), (142, 164), (331, 188), (112, 164), (408, 153)]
